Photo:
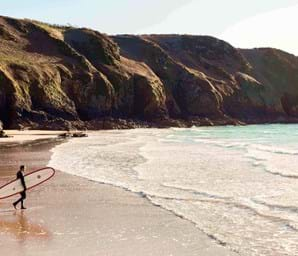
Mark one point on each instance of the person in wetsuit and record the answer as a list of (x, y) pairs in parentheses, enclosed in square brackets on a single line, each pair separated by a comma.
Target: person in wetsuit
[(20, 175)]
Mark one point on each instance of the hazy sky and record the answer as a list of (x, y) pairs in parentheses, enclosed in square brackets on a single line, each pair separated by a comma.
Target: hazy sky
[(244, 23)]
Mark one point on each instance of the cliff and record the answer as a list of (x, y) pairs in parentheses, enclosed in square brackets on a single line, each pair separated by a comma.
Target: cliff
[(56, 77)]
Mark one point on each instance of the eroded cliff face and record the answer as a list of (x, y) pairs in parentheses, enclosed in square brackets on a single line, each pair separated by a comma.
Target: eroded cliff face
[(277, 71), (188, 92), (56, 77), (253, 86), (44, 80), (138, 92)]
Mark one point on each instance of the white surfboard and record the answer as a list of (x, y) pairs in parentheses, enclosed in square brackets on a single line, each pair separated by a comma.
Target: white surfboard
[(32, 180)]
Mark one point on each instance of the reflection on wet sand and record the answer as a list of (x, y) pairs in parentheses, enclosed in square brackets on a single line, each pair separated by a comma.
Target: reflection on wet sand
[(18, 225)]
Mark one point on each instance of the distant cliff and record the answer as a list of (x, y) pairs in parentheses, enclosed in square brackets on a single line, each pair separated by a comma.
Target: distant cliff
[(54, 77)]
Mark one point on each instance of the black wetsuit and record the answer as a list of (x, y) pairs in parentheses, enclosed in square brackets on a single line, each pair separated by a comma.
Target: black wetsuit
[(20, 176)]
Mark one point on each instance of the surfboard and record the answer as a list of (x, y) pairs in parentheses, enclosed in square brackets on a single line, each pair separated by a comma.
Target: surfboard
[(32, 180)]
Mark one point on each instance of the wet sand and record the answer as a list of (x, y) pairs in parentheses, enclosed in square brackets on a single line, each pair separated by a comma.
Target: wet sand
[(73, 216)]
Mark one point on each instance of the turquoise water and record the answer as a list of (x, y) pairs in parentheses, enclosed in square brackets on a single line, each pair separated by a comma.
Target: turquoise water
[(238, 185)]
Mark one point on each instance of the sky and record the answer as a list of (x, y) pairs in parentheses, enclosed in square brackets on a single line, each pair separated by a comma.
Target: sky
[(243, 23)]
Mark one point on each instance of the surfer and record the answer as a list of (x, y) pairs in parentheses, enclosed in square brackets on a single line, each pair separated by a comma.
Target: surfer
[(20, 175)]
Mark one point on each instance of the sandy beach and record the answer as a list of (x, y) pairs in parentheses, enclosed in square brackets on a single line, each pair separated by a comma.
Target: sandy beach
[(74, 216)]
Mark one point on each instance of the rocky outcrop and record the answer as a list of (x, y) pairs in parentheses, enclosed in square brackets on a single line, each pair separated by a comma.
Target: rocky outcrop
[(137, 90), (188, 92), (2, 133), (277, 72), (257, 85), (43, 79), (55, 77)]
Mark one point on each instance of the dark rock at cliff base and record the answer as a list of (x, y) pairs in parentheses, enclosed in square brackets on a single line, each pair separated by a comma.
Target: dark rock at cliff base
[(60, 77), (2, 133)]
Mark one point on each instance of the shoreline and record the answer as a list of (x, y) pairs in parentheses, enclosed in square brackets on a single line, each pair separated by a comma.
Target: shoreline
[(34, 136), (117, 222), (114, 123)]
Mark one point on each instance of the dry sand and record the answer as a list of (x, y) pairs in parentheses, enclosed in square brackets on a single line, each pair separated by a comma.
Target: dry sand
[(23, 136), (73, 216)]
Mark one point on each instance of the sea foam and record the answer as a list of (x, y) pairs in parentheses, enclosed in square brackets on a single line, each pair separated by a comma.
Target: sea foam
[(236, 184)]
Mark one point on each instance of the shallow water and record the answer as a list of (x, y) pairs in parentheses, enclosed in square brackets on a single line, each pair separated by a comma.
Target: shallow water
[(239, 185)]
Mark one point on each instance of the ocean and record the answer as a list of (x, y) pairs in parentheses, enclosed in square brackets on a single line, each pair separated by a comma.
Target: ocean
[(237, 184)]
